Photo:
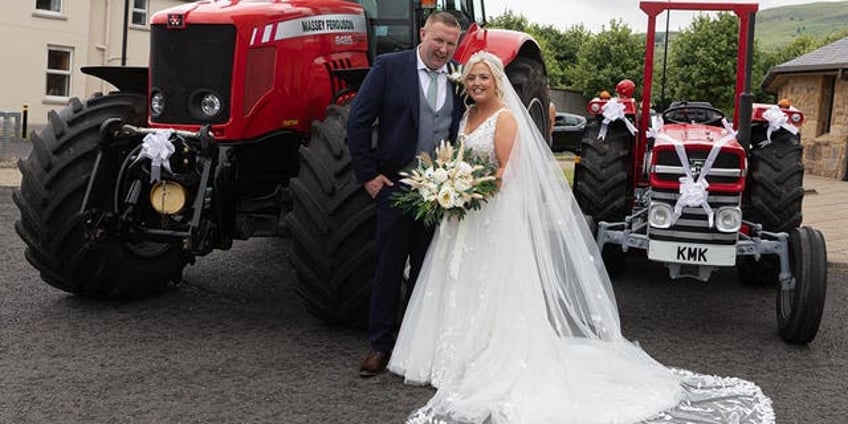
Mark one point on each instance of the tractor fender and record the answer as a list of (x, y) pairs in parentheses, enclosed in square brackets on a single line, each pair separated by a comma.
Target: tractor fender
[(129, 79), (505, 44)]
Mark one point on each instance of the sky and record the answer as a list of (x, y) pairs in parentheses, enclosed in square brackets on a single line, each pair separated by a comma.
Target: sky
[(594, 14)]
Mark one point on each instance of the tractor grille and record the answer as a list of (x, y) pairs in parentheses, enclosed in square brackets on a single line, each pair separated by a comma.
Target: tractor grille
[(726, 169), (693, 226), (186, 64)]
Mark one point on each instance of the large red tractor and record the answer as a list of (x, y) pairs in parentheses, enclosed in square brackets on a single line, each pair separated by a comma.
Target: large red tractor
[(696, 193), (236, 130)]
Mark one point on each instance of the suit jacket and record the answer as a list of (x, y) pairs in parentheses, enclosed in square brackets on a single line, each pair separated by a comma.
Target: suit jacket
[(391, 94)]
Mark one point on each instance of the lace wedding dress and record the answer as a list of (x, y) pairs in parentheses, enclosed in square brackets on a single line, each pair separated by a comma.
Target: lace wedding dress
[(513, 318)]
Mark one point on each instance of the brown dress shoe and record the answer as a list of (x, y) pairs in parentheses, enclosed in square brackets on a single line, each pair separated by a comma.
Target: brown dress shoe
[(374, 363)]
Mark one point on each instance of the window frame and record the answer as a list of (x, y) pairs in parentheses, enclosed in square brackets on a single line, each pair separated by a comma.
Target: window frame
[(145, 12), (50, 11), (68, 73)]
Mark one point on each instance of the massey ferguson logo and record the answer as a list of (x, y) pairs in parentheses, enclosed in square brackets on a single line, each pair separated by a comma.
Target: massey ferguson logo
[(695, 167), (175, 21)]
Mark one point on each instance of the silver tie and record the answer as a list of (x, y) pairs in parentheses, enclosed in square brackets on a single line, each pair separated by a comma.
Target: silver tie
[(433, 88)]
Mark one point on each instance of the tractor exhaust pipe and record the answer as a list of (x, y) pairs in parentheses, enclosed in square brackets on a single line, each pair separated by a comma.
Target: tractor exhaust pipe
[(746, 99)]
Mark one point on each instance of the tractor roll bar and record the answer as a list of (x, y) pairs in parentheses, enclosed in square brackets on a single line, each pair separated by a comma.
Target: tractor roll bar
[(746, 13)]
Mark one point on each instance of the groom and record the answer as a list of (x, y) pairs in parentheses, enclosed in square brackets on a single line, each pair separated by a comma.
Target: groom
[(409, 95)]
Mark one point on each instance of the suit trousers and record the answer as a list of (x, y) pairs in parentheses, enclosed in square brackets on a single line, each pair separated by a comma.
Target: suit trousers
[(398, 237)]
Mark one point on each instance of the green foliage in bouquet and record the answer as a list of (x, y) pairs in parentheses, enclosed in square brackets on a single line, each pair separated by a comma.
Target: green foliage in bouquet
[(456, 182)]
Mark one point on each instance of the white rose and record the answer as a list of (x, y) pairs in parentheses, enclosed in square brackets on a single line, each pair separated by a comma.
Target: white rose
[(440, 175), (463, 169), (446, 197), (462, 184)]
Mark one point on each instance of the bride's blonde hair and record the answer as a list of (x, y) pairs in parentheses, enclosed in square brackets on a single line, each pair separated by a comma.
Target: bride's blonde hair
[(495, 67)]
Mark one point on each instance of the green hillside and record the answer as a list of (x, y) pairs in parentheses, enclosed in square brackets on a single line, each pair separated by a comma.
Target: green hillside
[(777, 27)]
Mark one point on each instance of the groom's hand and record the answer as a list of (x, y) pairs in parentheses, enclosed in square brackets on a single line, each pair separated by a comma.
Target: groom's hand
[(374, 186)]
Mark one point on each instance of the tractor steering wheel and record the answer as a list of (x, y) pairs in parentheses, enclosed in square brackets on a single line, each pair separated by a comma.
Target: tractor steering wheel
[(693, 114)]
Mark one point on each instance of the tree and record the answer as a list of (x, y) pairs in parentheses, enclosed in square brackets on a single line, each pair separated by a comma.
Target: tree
[(606, 58), (510, 20), (559, 49), (702, 62)]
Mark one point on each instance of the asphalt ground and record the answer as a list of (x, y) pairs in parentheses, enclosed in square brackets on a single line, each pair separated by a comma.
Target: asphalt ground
[(233, 344)]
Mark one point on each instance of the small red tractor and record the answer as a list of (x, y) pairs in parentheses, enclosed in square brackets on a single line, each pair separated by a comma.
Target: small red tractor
[(696, 194), (235, 130)]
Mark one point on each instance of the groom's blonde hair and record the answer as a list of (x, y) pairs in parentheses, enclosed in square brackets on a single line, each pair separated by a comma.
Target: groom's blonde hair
[(495, 66)]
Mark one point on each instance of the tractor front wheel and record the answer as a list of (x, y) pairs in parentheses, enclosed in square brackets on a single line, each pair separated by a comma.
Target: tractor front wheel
[(799, 310), (54, 183), (332, 223)]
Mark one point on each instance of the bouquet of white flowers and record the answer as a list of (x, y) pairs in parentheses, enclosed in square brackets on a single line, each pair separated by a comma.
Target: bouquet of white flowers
[(449, 186)]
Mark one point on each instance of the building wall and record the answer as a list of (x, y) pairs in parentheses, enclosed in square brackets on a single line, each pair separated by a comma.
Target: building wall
[(825, 154), (91, 29)]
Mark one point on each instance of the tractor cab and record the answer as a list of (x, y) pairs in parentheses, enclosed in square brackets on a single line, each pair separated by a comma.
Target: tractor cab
[(395, 25)]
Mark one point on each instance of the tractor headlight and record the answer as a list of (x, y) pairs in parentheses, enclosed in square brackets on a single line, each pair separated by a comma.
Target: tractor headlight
[(660, 215), (157, 103), (167, 197), (728, 219), (210, 104)]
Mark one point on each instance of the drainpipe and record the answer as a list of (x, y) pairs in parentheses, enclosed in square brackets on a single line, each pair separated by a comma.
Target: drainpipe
[(125, 29), (107, 39)]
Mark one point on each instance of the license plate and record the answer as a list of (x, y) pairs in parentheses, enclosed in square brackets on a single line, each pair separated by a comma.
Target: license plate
[(692, 253)]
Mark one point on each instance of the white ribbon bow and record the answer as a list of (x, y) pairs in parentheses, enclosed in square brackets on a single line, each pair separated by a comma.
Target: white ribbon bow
[(158, 149), (693, 192), (613, 111), (777, 120)]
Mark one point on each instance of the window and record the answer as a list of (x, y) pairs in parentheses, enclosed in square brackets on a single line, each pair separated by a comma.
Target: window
[(49, 5), (59, 63), (139, 12), (826, 105)]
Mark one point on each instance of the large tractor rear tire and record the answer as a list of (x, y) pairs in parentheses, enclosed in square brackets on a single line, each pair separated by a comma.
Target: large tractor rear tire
[(799, 310), (54, 182), (603, 180), (332, 224), (773, 197), (528, 78)]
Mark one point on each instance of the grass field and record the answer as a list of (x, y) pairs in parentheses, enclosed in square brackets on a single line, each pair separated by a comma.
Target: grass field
[(566, 160), (776, 27)]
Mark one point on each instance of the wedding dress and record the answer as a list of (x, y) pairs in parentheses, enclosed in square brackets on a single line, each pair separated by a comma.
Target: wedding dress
[(513, 318)]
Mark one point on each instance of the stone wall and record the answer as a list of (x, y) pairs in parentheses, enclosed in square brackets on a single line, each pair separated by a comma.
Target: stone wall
[(824, 154)]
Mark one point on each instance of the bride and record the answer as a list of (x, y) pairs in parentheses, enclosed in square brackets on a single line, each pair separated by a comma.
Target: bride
[(513, 317)]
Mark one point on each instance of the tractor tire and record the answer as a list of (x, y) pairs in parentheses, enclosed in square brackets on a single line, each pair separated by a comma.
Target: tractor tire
[(54, 180), (773, 197), (603, 180), (528, 78), (332, 223), (799, 310)]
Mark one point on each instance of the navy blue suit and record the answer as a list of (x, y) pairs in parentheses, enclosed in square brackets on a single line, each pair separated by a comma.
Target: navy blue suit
[(391, 94)]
